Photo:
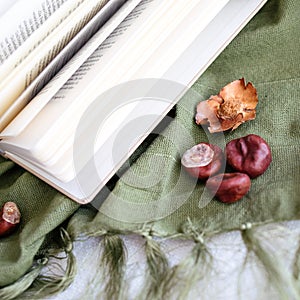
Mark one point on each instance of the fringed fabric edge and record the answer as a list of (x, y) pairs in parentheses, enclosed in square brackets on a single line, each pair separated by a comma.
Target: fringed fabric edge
[(283, 280), (160, 277), (35, 285)]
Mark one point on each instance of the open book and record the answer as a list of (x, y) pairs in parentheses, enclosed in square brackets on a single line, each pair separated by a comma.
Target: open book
[(84, 81)]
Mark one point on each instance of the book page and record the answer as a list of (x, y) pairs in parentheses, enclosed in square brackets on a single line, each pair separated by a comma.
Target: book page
[(28, 113), (121, 38), (108, 66), (165, 52), (23, 74), (6, 5), (24, 18)]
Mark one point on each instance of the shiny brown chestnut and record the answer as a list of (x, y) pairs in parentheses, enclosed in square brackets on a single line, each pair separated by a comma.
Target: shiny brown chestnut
[(9, 218), (203, 160), (229, 187), (250, 154)]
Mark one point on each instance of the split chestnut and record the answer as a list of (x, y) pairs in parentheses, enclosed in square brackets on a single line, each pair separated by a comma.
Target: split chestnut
[(9, 218), (203, 160)]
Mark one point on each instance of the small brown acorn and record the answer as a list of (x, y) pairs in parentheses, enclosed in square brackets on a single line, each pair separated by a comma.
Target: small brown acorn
[(9, 218)]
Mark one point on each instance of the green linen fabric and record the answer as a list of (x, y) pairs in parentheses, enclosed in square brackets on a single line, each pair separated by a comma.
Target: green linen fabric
[(266, 53)]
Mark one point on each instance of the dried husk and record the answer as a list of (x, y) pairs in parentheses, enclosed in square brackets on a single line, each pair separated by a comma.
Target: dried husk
[(234, 105)]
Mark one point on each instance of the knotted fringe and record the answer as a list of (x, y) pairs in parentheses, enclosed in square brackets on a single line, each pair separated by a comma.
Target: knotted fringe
[(49, 285), (177, 282), (113, 262), (33, 285), (110, 277), (157, 269), (12, 291), (277, 271), (183, 276), (161, 281)]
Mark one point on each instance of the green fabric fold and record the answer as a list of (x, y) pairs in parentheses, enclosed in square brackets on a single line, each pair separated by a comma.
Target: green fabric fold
[(266, 53), (42, 210)]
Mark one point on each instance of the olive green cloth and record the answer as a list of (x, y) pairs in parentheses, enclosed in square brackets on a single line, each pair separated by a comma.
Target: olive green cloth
[(267, 53)]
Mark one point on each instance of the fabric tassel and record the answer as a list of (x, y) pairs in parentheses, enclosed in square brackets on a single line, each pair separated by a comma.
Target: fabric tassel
[(17, 288), (296, 266), (33, 285), (279, 275), (157, 269), (46, 285), (192, 269), (113, 260)]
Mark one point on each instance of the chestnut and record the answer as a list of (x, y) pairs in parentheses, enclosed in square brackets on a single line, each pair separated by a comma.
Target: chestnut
[(229, 187), (9, 218), (250, 154), (203, 160)]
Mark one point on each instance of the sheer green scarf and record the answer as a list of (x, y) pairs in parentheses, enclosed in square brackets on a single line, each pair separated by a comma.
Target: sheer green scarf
[(266, 53)]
